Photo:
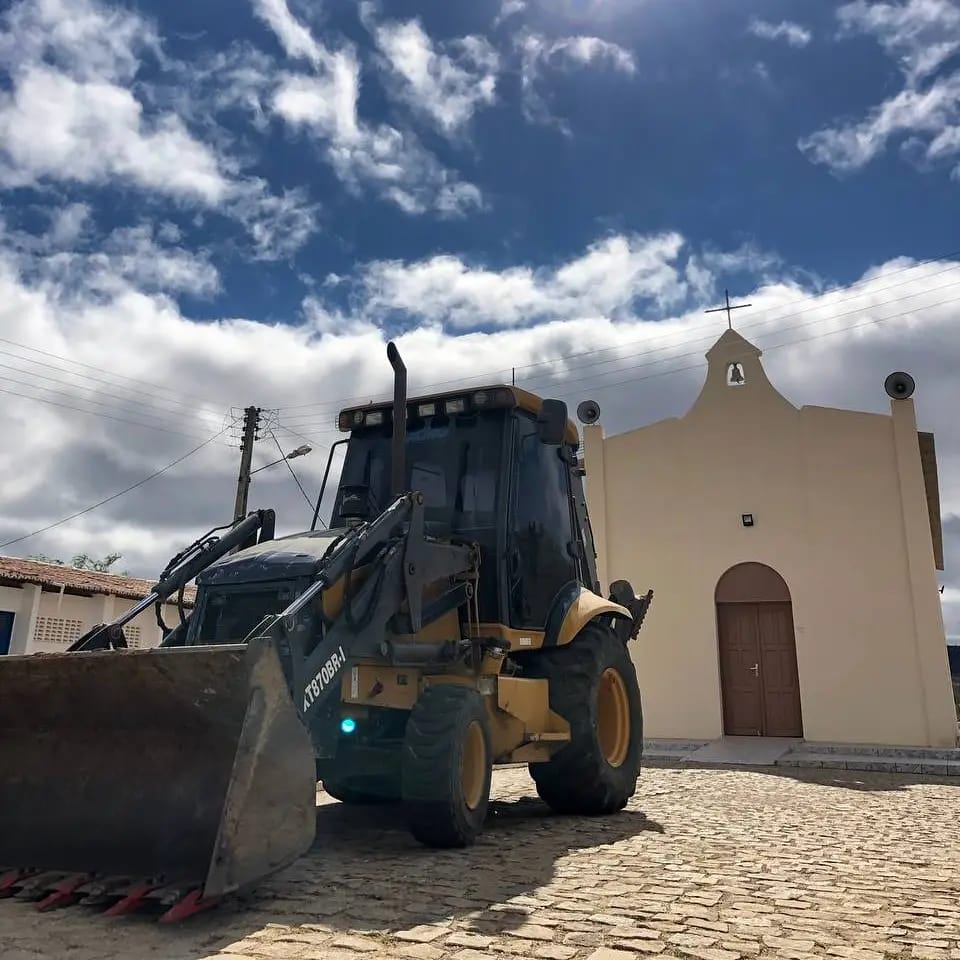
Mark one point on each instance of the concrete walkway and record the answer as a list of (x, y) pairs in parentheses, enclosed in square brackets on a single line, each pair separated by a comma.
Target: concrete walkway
[(745, 751), (786, 752)]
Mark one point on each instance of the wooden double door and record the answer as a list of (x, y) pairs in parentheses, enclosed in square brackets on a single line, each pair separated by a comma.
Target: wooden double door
[(758, 670)]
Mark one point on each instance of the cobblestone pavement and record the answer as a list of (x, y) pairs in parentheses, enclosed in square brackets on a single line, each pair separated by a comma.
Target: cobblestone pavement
[(712, 864)]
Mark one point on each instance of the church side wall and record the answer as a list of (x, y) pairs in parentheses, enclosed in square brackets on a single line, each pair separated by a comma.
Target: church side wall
[(860, 678)]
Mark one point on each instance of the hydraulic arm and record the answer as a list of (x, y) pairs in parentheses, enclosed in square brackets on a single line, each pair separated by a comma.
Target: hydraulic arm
[(402, 561), (185, 566)]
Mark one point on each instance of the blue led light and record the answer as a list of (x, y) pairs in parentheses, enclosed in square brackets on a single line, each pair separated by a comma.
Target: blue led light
[(348, 725)]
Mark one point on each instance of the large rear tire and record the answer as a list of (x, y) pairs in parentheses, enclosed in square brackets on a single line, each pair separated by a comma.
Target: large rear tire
[(593, 685), (447, 765)]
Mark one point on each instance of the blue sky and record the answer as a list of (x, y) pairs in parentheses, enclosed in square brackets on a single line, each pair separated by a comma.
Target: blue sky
[(220, 203), (696, 129)]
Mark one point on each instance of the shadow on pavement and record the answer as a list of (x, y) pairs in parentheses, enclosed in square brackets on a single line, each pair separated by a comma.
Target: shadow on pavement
[(863, 780), (367, 875)]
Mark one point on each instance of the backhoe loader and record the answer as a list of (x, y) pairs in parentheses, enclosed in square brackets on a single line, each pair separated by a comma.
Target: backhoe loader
[(449, 619)]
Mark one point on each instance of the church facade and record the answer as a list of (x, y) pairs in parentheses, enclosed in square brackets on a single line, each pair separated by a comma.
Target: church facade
[(793, 554)]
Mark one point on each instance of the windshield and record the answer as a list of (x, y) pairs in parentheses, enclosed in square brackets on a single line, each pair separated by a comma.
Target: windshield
[(229, 615), (454, 462)]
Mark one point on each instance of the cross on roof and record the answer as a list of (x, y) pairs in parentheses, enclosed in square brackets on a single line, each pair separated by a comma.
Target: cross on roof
[(728, 309)]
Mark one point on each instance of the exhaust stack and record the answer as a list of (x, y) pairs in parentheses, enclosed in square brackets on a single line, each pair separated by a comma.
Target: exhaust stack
[(399, 419)]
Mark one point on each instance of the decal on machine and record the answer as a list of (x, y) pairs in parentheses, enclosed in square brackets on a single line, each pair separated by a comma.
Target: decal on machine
[(325, 676)]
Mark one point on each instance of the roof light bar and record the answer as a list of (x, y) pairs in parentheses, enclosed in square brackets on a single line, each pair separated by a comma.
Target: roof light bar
[(355, 419)]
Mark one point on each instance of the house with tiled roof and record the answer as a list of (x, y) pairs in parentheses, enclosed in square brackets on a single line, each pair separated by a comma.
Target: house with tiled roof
[(45, 606)]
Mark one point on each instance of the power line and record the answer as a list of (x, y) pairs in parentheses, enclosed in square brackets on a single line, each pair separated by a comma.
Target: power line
[(118, 376), (699, 364), (751, 324), (776, 346), (87, 376), (306, 418), (560, 359), (796, 326), (308, 421), (94, 413), (148, 410), (157, 423), (114, 496), (300, 436), (292, 473)]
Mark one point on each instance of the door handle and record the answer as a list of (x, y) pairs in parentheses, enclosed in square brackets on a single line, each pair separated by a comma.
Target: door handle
[(756, 669)]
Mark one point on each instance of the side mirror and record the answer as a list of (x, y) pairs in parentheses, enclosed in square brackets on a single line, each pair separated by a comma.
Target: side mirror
[(552, 422)]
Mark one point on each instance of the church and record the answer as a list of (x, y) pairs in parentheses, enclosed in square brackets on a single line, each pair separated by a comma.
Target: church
[(793, 553)]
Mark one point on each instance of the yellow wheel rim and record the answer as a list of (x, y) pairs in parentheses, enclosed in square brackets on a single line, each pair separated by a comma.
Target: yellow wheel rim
[(613, 717), (473, 766)]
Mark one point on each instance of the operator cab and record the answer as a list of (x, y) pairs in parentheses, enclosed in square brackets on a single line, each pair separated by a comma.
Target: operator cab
[(497, 467)]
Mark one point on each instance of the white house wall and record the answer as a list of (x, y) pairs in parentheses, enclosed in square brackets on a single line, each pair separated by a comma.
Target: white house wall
[(59, 616)]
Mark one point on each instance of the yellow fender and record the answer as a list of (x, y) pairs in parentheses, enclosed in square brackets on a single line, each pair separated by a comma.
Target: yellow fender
[(572, 609)]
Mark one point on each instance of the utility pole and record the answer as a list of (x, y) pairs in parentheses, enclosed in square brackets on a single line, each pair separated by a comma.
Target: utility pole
[(251, 421)]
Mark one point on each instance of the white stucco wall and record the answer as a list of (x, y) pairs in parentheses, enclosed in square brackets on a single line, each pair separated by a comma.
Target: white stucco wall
[(837, 499), (9, 599), (52, 609)]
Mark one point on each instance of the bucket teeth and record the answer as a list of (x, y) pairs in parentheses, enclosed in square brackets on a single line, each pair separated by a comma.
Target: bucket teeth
[(115, 896), (187, 906), (133, 898), (63, 893), (104, 891), (10, 881), (35, 885)]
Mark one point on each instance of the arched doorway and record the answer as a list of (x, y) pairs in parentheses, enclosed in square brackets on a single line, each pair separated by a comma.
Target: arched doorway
[(759, 679)]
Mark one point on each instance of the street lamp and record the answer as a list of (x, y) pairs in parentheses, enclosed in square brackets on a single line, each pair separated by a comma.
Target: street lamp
[(301, 451)]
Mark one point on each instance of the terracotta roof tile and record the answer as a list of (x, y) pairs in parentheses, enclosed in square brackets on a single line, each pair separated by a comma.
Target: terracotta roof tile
[(14, 570)]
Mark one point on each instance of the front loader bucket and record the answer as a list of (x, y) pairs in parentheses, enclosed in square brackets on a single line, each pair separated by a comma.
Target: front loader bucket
[(182, 766)]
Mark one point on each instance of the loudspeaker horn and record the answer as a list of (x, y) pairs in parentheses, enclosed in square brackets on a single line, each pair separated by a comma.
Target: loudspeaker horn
[(899, 385), (588, 411)]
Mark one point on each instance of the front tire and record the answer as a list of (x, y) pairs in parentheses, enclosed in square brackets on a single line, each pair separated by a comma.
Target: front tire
[(593, 686), (447, 766)]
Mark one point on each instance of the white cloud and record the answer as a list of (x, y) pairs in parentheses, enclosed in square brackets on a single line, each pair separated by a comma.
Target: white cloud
[(606, 280), (294, 37), (58, 460), (932, 111), (509, 8), (239, 76), (70, 116), (920, 35), (278, 224), (54, 127), (324, 103), (793, 33), (360, 154), (84, 38), (446, 82), (68, 223), (587, 50), (78, 267), (538, 54)]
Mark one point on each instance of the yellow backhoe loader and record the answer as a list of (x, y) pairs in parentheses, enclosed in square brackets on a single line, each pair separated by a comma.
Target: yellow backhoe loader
[(448, 620)]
